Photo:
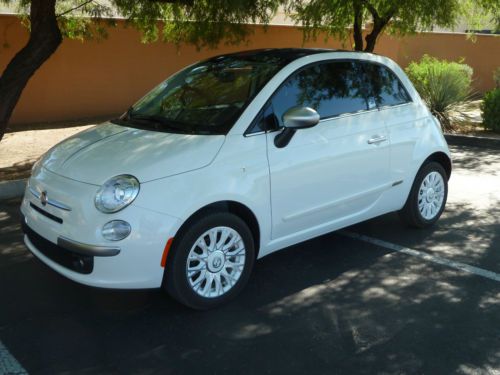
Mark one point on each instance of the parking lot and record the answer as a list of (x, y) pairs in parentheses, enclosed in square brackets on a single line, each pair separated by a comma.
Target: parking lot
[(375, 298)]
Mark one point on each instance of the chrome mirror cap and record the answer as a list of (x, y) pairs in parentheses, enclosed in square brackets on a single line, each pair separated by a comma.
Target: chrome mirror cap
[(300, 118)]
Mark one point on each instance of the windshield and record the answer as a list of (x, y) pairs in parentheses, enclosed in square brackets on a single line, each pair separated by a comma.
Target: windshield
[(205, 98)]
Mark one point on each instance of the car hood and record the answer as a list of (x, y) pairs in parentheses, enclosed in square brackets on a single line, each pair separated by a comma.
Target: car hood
[(97, 154)]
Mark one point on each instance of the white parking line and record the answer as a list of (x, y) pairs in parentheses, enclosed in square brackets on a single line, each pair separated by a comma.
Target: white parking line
[(428, 257), (8, 364)]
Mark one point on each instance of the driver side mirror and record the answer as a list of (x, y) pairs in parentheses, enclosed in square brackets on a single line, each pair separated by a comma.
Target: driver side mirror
[(294, 119), (300, 118)]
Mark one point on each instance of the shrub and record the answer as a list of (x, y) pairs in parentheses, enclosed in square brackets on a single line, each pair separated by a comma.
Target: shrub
[(443, 85), (491, 110), (496, 77)]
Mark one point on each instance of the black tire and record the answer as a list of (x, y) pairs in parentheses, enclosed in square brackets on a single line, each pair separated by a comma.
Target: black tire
[(175, 280), (410, 213)]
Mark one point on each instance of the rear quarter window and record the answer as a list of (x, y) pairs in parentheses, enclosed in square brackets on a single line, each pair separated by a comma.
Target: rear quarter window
[(386, 88)]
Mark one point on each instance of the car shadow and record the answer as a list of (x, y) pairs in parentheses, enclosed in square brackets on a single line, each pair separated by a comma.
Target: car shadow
[(331, 304)]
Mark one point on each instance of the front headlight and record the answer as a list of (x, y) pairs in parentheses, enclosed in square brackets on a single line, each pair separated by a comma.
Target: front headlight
[(117, 193)]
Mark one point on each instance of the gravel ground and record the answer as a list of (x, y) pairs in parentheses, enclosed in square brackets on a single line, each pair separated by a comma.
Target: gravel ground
[(19, 150)]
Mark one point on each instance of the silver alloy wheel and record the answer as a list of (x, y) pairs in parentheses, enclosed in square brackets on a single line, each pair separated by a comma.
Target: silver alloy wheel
[(431, 195), (215, 262)]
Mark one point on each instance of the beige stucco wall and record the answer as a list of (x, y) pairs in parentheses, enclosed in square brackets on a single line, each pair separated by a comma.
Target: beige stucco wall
[(99, 78)]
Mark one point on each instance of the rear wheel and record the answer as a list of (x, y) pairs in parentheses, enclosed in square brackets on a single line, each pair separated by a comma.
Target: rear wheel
[(210, 262), (427, 198)]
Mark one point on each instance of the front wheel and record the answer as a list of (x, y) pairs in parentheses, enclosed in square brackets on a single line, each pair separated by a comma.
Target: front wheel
[(210, 262), (427, 198)]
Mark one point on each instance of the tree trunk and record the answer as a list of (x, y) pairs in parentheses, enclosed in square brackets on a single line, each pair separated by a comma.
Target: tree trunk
[(379, 24), (371, 39), (45, 37), (358, 26)]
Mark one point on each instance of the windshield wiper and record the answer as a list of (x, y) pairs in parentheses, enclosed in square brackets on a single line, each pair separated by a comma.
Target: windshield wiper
[(157, 121), (160, 123), (126, 115)]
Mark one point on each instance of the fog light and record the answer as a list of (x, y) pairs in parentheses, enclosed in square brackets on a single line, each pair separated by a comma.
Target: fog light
[(116, 230)]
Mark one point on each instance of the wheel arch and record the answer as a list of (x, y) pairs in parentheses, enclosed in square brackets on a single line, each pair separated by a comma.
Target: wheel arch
[(234, 207), (441, 158)]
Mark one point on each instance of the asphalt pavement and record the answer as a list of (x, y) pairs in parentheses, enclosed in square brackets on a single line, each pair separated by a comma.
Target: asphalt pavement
[(377, 297)]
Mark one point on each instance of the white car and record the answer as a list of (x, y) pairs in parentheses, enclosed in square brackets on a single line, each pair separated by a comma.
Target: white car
[(229, 160)]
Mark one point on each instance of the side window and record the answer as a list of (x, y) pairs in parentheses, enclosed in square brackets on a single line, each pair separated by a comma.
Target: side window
[(265, 120), (387, 89), (331, 88)]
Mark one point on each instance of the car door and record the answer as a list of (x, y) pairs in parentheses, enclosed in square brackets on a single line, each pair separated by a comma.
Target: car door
[(404, 119), (333, 173)]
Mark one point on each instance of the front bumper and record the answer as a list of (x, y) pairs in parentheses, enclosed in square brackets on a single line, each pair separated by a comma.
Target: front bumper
[(72, 255), (70, 241)]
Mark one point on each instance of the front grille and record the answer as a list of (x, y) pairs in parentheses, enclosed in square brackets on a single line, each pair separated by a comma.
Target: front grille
[(46, 214), (79, 263)]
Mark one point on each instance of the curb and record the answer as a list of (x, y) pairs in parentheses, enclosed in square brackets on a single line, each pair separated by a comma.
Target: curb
[(470, 140), (12, 189)]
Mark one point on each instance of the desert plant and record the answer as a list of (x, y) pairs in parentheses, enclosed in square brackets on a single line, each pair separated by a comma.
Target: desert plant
[(491, 110), (444, 85)]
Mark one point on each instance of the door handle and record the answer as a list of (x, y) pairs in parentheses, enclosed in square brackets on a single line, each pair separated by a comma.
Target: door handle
[(376, 139)]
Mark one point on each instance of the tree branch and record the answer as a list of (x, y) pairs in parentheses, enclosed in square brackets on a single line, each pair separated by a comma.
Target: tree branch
[(75, 8), (372, 10), (379, 25), (391, 13)]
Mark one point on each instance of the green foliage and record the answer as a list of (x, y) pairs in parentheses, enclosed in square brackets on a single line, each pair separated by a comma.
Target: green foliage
[(481, 14), (333, 17), (198, 22), (399, 16), (491, 110), (81, 20), (496, 77), (443, 85), (492, 10), (208, 22)]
